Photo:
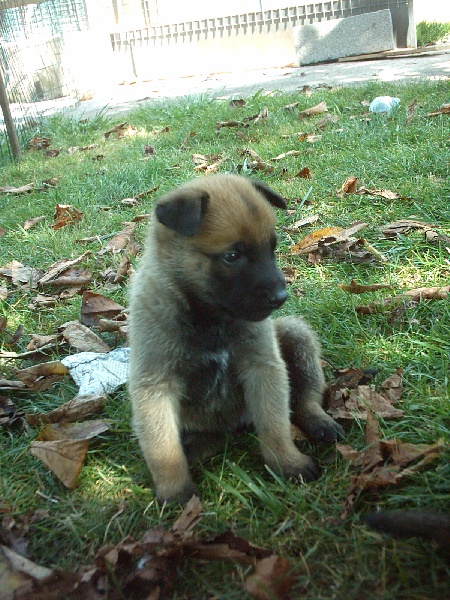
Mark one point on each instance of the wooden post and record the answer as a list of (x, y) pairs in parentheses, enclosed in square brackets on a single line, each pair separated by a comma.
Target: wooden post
[(10, 127)]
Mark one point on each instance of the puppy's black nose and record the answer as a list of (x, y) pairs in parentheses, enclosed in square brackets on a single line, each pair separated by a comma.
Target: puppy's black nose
[(277, 298)]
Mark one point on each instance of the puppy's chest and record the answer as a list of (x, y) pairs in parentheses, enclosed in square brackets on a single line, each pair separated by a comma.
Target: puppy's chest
[(210, 370)]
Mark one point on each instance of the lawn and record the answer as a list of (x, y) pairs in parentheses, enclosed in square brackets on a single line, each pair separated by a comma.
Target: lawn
[(334, 555)]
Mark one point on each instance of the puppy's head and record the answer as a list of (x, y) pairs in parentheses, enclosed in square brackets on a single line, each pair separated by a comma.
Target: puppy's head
[(219, 232)]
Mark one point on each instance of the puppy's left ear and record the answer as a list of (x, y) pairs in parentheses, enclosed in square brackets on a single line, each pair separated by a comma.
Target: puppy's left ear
[(268, 193), (183, 211)]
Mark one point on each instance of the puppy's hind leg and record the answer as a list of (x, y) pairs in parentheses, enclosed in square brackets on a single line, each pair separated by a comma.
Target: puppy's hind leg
[(300, 350)]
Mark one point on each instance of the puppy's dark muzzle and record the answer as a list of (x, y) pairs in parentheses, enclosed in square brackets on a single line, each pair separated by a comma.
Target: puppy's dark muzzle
[(277, 299)]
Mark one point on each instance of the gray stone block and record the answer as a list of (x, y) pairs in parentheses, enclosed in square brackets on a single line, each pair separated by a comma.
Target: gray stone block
[(329, 40)]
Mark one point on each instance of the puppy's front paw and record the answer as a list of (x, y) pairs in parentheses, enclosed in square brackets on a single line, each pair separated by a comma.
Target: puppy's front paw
[(179, 495), (298, 466), (321, 429)]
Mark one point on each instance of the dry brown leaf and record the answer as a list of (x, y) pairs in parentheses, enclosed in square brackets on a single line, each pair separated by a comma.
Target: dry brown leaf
[(42, 376), (356, 403), (327, 120), (291, 106), (207, 163), (7, 384), (311, 242), (17, 575), (288, 153), (404, 226), (38, 143), (295, 227), (122, 130), (443, 110), (84, 430), (64, 215), (304, 173), (348, 187), (314, 110), (357, 288), (149, 150), (120, 240), (20, 275), (386, 194), (321, 238), (237, 103), (63, 457), (62, 447), (408, 297), (82, 338), (221, 124), (23, 189), (392, 387), (60, 267), (95, 306), (39, 341), (78, 408), (273, 579), (29, 223), (10, 416), (74, 149), (411, 110), (53, 152), (3, 291)]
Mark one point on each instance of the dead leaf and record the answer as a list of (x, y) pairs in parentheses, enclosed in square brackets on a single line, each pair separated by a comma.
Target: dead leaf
[(304, 173), (39, 341), (411, 110), (23, 189), (355, 404), (314, 110), (120, 240), (10, 416), (295, 227), (433, 237), (95, 306), (238, 103), (288, 153), (273, 579), (42, 376), (291, 106), (207, 163), (348, 187), (17, 574), (404, 226), (74, 149), (357, 288), (384, 462), (63, 447), (149, 150), (84, 430), (82, 338), (64, 215), (78, 408), (443, 110), (63, 457), (62, 267), (326, 236), (392, 387), (7, 384), (29, 223), (122, 130), (53, 152), (410, 296), (222, 124), (38, 143), (327, 120), (22, 276), (386, 194), (3, 291)]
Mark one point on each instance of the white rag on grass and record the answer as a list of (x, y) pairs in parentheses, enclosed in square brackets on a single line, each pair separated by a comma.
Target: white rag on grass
[(98, 373)]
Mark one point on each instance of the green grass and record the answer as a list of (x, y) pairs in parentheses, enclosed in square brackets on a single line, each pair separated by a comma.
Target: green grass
[(334, 559)]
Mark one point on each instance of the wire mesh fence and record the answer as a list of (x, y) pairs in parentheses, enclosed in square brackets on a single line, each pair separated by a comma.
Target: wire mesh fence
[(35, 79)]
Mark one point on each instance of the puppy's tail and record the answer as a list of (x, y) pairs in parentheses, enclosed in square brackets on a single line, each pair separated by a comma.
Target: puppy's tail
[(426, 525)]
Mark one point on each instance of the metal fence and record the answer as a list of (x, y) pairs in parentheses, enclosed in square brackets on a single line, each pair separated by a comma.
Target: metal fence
[(35, 78)]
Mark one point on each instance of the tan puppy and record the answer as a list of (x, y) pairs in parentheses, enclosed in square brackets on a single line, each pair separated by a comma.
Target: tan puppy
[(206, 359)]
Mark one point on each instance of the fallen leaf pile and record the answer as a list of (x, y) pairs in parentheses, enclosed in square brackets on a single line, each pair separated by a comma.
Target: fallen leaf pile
[(352, 396), (384, 462), (148, 568)]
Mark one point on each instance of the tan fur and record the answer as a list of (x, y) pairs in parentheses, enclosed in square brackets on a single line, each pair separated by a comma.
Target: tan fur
[(203, 362)]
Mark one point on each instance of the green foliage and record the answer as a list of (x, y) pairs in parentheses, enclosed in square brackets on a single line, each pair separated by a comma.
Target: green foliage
[(430, 32), (114, 496)]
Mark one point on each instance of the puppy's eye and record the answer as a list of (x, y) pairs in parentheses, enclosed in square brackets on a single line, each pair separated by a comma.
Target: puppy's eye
[(231, 257)]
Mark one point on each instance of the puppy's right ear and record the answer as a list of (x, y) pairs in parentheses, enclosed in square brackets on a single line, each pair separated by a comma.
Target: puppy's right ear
[(183, 211)]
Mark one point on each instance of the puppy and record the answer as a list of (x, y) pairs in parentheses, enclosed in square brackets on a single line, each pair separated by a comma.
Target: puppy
[(205, 358)]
